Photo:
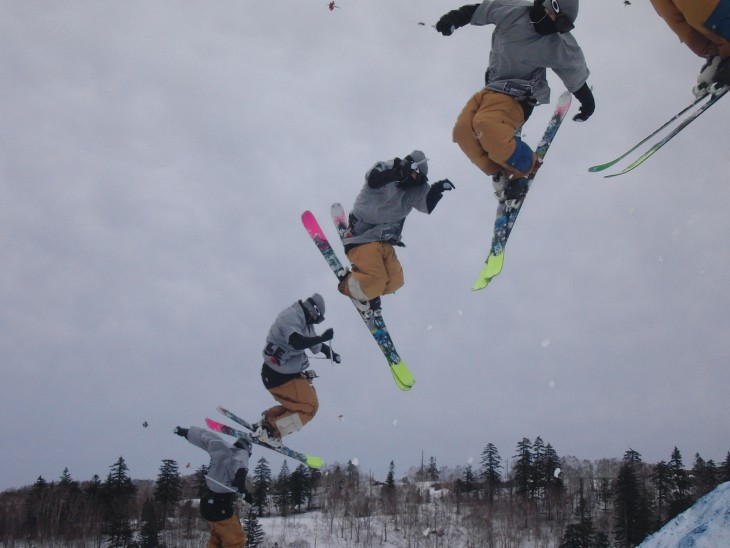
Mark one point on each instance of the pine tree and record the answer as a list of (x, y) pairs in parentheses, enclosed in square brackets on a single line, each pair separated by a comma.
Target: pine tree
[(724, 470), (491, 471), (281, 490), (149, 531), (315, 479), (523, 469), (119, 493), (660, 477), (631, 508), (168, 488), (254, 530), (468, 481), (704, 476), (679, 497), (298, 487), (390, 478), (261, 486), (200, 483)]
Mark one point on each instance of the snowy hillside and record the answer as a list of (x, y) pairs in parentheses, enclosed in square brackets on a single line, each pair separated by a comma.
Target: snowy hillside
[(704, 525)]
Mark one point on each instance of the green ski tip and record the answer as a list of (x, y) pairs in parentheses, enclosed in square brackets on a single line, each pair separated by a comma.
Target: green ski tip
[(402, 376), (492, 267), (314, 462)]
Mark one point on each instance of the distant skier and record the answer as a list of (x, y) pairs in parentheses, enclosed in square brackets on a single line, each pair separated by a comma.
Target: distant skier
[(225, 478), (526, 41), (704, 25), (284, 372), (392, 189)]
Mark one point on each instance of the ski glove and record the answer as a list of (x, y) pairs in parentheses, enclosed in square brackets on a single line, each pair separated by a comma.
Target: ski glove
[(587, 103), (327, 335), (336, 357), (455, 19), (180, 431), (436, 192)]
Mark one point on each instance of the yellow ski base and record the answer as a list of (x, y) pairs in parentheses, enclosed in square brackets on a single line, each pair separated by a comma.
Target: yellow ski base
[(492, 267), (402, 376)]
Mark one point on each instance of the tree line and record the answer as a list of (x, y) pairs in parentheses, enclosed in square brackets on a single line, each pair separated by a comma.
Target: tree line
[(535, 494)]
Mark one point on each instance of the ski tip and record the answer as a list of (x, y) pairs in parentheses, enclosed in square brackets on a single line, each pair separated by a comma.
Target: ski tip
[(402, 376), (213, 425), (314, 462), (481, 283)]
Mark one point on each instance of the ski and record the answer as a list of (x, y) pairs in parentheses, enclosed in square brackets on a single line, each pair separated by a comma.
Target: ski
[(507, 215), (342, 224), (309, 460), (373, 320), (714, 97)]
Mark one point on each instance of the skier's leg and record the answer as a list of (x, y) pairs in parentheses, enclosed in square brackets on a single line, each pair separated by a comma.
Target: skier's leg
[(368, 271), (230, 533), (496, 125), (394, 269), (297, 397), (464, 135)]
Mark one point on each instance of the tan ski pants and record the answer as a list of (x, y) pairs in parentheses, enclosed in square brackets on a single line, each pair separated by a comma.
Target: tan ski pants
[(376, 268), (227, 533), (297, 397)]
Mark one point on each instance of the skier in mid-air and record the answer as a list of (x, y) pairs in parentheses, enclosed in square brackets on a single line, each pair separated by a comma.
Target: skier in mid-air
[(527, 40), (226, 477), (392, 189), (285, 371), (704, 25)]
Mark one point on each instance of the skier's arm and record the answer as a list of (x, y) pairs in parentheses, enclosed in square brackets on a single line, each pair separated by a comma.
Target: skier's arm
[(436, 192), (300, 342), (329, 353), (380, 176), (455, 19)]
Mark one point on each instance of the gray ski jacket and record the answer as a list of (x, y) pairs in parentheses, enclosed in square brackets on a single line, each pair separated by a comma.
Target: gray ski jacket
[(519, 55), (278, 353), (225, 460), (378, 214)]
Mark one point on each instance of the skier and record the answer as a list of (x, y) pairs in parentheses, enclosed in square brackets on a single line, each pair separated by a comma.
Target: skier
[(392, 189), (526, 41), (704, 25), (226, 477), (284, 372)]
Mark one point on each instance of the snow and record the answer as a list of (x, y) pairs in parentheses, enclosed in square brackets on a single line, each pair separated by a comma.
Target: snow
[(704, 525)]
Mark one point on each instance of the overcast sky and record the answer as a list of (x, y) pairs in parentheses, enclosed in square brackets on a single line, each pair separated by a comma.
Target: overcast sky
[(155, 159)]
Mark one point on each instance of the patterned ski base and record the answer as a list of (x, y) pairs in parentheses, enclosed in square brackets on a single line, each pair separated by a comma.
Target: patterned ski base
[(309, 460), (375, 323), (506, 216)]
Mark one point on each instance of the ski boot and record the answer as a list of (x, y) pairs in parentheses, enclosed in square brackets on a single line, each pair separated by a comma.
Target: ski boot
[(509, 191), (265, 434)]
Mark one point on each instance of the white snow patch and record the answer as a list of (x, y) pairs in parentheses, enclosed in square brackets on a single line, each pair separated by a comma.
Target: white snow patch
[(705, 525)]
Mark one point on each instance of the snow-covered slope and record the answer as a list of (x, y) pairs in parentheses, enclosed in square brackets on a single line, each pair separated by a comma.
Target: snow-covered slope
[(704, 525)]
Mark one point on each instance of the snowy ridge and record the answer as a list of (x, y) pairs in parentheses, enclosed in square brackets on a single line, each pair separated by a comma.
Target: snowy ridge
[(704, 525)]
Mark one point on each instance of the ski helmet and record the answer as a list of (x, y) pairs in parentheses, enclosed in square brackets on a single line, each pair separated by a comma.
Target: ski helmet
[(419, 158), (314, 306)]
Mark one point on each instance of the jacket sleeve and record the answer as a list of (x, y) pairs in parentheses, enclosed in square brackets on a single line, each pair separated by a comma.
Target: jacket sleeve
[(695, 41), (208, 441)]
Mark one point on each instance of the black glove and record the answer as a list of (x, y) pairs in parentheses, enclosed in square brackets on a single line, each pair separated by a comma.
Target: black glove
[(445, 184), (336, 357), (247, 497), (455, 19), (180, 431), (587, 103), (239, 481), (327, 335), (401, 169)]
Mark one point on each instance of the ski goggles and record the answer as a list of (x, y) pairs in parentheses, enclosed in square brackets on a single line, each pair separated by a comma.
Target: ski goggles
[(562, 21), (416, 166), (317, 314)]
